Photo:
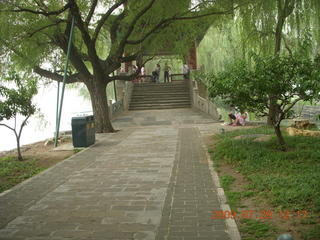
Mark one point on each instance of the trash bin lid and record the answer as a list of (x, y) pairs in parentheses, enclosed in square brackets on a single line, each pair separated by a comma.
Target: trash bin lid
[(83, 118)]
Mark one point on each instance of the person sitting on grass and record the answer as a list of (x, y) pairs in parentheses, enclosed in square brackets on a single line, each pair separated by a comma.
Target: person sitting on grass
[(238, 119), (233, 114)]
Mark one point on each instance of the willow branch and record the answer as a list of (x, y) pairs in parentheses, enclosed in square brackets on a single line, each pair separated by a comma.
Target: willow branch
[(135, 20), (91, 12), (166, 22), (105, 17), (85, 35), (115, 26), (20, 9), (55, 76), (45, 27)]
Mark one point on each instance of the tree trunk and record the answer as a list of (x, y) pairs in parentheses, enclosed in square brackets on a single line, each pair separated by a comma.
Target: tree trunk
[(98, 94), (272, 115), (18, 148), (281, 141), (278, 37), (280, 22)]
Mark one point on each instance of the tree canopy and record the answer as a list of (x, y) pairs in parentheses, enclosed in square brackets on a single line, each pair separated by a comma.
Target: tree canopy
[(253, 27), (36, 32), (107, 34)]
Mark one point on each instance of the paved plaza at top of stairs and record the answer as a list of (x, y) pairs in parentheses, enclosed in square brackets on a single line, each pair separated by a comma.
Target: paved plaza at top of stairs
[(150, 180)]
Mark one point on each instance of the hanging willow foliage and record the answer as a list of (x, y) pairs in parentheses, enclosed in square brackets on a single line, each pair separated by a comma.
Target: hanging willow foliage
[(253, 28)]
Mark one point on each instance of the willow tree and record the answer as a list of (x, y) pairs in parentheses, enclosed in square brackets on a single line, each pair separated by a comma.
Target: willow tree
[(274, 28), (107, 34), (266, 28)]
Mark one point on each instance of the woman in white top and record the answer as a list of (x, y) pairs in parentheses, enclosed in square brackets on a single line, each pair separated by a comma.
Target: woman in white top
[(185, 71)]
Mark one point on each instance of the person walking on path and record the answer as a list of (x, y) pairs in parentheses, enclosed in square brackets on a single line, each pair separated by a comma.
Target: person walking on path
[(166, 72)]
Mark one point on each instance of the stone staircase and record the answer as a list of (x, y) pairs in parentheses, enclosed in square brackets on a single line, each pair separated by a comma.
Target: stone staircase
[(160, 96), (311, 112)]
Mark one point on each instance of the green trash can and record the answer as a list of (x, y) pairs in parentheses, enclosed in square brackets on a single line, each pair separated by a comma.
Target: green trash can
[(83, 131)]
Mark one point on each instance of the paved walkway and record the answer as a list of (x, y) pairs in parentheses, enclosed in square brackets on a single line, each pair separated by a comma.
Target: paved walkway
[(150, 180)]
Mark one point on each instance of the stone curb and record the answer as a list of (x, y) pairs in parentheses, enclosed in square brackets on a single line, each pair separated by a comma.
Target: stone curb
[(45, 171), (232, 228)]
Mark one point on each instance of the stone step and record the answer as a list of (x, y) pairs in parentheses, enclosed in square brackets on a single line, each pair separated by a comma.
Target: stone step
[(167, 97), (162, 90), (159, 103), (160, 93), (182, 88), (154, 98), (154, 107), (151, 100), (160, 84), (160, 96)]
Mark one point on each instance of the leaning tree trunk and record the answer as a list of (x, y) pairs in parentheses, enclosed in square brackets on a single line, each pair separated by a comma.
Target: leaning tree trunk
[(18, 147), (98, 94), (280, 138), (272, 115)]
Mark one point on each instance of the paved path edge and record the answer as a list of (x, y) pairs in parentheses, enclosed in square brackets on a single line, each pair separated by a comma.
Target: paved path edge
[(231, 225), (19, 185)]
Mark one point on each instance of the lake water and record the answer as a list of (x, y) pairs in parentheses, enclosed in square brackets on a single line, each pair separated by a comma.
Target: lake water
[(43, 128)]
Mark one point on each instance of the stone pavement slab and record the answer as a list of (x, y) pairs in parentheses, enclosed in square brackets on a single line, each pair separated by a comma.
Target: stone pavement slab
[(145, 182)]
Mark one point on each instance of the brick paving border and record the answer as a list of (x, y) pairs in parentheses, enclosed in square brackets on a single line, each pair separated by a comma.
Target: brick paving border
[(232, 227), (191, 196)]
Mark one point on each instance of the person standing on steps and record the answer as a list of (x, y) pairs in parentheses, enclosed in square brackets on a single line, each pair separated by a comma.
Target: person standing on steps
[(142, 74), (156, 74), (158, 69), (166, 72), (185, 71)]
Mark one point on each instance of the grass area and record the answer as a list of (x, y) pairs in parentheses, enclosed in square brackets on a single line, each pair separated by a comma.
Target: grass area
[(311, 234), (234, 197), (285, 180), (253, 229), (13, 171), (76, 150)]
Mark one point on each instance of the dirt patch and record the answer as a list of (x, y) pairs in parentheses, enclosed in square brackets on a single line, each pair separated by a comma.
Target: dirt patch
[(240, 182), (43, 153)]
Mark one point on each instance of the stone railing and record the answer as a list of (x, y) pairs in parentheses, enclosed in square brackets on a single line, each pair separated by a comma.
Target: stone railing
[(122, 104), (202, 101), (117, 107), (127, 93)]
